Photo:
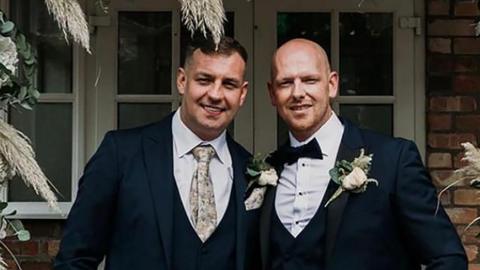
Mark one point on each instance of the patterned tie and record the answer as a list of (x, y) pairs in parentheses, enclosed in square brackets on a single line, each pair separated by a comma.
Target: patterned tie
[(202, 198)]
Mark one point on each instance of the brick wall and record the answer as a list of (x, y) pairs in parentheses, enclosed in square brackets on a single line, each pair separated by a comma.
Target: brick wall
[(453, 96), (38, 253)]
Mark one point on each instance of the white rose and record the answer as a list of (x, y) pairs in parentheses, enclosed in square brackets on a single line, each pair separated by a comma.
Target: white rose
[(8, 56), (268, 177), (354, 179)]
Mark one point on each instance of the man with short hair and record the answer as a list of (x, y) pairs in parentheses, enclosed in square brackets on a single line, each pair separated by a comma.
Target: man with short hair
[(170, 195), (308, 221)]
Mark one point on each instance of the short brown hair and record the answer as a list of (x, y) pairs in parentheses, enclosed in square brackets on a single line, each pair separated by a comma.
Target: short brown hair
[(227, 46)]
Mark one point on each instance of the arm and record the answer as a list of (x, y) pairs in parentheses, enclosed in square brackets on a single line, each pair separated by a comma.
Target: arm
[(432, 237), (87, 231)]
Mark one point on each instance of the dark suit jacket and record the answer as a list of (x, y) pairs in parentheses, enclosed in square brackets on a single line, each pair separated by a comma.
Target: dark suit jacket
[(124, 205), (389, 227)]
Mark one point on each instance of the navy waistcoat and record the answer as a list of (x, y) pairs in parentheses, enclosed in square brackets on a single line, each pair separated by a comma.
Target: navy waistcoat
[(217, 253)]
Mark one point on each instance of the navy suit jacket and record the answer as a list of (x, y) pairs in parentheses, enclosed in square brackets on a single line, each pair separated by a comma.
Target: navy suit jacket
[(389, 227), (124, 206)]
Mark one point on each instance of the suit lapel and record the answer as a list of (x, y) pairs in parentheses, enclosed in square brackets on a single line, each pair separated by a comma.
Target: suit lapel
[(157, 147), (349, 149), (240, 187), (266, 219), (265, 224)]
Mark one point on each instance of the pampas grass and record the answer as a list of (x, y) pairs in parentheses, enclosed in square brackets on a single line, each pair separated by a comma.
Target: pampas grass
[(17, 153), (71, 20), (204, 15)]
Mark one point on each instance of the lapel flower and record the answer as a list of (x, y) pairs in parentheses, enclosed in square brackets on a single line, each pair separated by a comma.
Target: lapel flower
[(352, 176), (260, 174)]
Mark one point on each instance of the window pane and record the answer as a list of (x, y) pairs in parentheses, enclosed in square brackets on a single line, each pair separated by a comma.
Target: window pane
[(144, 53), (366, 54), (374, 117), (310, 25), (54, 54), (49, 126), (137, 114), (186, 37)]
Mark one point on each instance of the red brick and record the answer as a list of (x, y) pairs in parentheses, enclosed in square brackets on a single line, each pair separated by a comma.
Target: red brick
[(438, 7), (466, 64), (446, 198), (439, 63), (466, 8), (441, 178), (469, 236), (457, 161), (453, 104), (472, 252), (439, 160), (29, 248), (37, 265), (466, 45), (468, 122), (439, 121), (466, 197), (440, 45), (450, 141), (467, 84), (462, 215), (472, 266), (450, 28), (52, 247)]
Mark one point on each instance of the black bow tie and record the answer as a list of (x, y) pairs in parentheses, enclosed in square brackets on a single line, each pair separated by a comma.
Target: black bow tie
[(290, 155)]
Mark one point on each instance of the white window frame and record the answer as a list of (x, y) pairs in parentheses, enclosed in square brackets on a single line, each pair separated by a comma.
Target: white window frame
[(40, 210), (411, 104)]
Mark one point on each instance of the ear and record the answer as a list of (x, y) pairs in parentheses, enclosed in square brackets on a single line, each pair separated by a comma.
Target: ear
[(181, 80), (271, 92), (332, 84), (243, 94)]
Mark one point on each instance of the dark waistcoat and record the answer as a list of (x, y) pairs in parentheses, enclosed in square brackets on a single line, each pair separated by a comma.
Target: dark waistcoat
[(218, 252)]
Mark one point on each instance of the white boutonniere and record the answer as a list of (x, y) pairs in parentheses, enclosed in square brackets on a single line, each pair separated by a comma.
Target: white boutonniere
[(352, 176), (260, 174)]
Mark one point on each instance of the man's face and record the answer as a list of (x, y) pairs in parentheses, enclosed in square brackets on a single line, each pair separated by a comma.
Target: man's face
[(213, 90), (301, 88)]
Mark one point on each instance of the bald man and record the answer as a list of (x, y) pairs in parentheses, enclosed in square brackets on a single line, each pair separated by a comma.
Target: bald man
[(389, 226)]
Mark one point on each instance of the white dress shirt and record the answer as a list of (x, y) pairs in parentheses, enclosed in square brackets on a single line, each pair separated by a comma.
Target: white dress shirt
[(184, 165), (302, 185)]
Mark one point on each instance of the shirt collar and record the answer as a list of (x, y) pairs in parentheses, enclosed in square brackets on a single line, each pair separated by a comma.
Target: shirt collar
[(185, 140), (331, 131)]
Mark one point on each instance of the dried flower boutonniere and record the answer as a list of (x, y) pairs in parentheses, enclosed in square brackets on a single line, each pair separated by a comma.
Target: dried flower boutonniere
[(260, 174), (352, 176)]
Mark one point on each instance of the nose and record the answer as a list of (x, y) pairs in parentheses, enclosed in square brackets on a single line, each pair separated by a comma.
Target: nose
[(298, 92), (216, 91)]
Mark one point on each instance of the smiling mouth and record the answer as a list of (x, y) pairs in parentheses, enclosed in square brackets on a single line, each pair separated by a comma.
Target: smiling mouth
[(299, 108), (212, 109)]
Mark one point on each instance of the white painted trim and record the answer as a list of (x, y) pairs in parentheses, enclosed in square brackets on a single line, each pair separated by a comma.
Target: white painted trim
[(420, 90)]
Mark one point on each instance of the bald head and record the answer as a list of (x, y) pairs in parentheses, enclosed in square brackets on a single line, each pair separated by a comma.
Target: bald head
[(295, 47)]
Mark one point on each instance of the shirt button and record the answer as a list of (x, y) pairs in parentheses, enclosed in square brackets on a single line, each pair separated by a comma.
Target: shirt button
[(296, 222), (303, 164), (300, 193)]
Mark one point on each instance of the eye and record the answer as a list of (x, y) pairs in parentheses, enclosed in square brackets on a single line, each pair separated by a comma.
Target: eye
[(203, 81), (311, 81), (284, 84)]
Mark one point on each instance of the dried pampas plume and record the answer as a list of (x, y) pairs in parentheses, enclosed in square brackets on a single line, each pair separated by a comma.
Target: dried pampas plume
[(71, 20), (204, 15), (16, 152)]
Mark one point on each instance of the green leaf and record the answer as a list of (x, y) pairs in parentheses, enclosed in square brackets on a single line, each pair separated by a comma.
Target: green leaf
[(7, 27), (475, 183), (23, 93), (16, 225), (334, 175), (26, 106), (252, 173), (23, 235), (3, 205)]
